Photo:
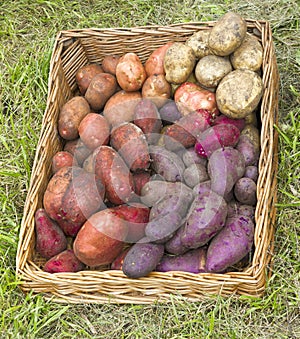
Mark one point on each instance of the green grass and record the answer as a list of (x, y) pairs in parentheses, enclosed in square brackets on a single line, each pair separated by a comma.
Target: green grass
[(27, 33)]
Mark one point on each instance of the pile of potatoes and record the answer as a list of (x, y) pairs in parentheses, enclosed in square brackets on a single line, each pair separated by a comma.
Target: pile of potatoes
[(159, 166)]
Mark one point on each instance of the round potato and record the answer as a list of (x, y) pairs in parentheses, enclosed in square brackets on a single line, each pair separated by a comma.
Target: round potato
[(227, 34), (85, 74), (130, 72), (157, 89), (101, 88), (211, 69), (239, 93), (199, 43), (179, 62), (248, 55), (109, 63)]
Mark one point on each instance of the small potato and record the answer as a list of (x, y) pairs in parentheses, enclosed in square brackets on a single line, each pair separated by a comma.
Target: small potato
[(227, 34), (120, 107), (252, 133), (130, 72), (235, 208), (195, 174), (78, 149), (101, 88), (70, 116), (130, 141), (223, 119), (62, 159), (190, 157), (249, 55), (169, 112), (65, 261), (199, 43), (147, 118), (109, 63), (211, 69), (85, 74), (140, 179), (251, 172), (115, 175), (179, 62), (239, 93), (157, 89), (50, 239), (190, 97), (175, 244), (94, 130), (141, 259), (245, 191), (155, 63), (249, 151), (101, 238)]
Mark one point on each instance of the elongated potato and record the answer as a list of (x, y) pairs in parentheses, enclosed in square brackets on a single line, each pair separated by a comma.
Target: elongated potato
[(205, 219), (232, 244), (155, 63), (115, 175), (195, 174), (130, 141), (65, 261), (70, 116)]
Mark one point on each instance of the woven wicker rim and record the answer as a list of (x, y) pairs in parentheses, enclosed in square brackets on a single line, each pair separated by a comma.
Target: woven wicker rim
[(75, 48)]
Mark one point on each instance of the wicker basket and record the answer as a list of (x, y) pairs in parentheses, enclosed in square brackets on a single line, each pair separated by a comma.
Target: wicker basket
[(75, 48)]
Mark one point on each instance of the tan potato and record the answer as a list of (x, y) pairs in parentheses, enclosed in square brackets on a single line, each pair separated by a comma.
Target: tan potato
[(120, 107), (179, 62), (211, 69), (239, 93), (85, 74), (94, 130), (227, 34), (253, 134), (249, 55), (109, 63), (199, 43), (155, 63), (157, 89), (101, 88), (130, 72), (70, 116)]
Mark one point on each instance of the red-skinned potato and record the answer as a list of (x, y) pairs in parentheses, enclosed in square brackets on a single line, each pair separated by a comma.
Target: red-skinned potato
[(140, 179), (101, 88), (147, 118), (70, 116), (50, 239), (155, 63), (157, 89), (109, 63), (85, 74), (101, 238), (136, 216), (62, 159), (78, 149), (65, 261), (120, 107), (94, 130), (130, 141), (117, 264), (190, 97), (115, 175), (130, 72)]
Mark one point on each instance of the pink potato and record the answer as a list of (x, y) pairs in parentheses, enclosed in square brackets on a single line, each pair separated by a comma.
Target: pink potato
[(50, 239), (231, 244), (223, 119), (65, 261), (215, 137), (130, 72), (62, 159), (190, 97), (94, 130), (78, 149)]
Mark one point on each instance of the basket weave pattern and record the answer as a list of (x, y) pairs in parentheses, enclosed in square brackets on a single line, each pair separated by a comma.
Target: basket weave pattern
[(72, 50)]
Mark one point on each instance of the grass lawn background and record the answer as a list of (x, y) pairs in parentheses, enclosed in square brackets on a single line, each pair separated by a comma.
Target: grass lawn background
[(27, 33)]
